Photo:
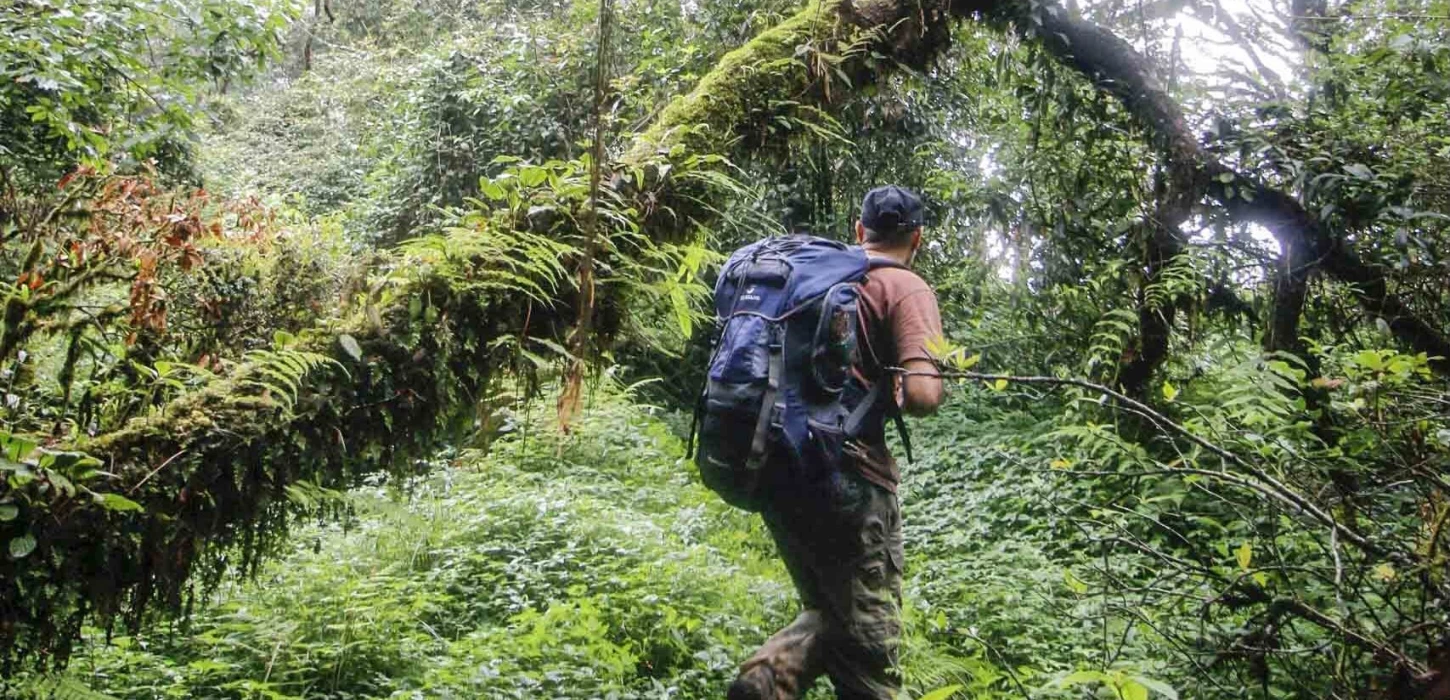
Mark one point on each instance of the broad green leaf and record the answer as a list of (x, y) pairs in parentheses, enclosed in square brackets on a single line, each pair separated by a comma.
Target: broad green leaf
[(1370, 360), (8, 512), (117, 502), (532, 176), (491, 189), (1158, 687), (18, 448), (1170, 392), (942, 693), (1360, 171), (1083, 676), (999, 385), (78, 465), (1245, 555), (22, 546), (1133, 690)]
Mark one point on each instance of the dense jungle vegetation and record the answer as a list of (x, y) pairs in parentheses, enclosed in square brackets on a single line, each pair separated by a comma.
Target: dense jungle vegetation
[(349, 346)]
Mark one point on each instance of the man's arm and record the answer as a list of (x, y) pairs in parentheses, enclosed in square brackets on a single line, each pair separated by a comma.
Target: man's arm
[(915, 322), (920, 395)]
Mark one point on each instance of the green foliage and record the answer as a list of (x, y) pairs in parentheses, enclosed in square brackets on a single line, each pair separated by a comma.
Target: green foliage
[(389, 129), (472, 582), (87, 81), (1275, 525), (130, 294), (397, 367)]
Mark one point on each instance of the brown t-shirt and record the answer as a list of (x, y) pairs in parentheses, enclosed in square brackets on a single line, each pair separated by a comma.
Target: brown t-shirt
[(899, 316)]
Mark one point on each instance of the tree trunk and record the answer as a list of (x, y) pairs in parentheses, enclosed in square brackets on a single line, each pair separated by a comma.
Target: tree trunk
[(1156, 311)]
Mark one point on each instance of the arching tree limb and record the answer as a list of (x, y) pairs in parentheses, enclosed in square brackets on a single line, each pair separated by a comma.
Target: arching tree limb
[(1114, 66)]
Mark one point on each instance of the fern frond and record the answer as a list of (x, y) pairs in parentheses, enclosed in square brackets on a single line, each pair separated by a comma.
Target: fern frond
[(282, 373)]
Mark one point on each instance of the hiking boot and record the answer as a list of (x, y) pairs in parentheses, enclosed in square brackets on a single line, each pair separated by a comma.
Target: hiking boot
[(754, 683)]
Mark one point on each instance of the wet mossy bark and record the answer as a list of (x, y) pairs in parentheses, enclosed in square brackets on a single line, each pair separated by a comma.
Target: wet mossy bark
[(783, 70)]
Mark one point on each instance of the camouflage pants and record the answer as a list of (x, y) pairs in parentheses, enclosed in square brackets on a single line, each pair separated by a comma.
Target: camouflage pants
[(841, 541)]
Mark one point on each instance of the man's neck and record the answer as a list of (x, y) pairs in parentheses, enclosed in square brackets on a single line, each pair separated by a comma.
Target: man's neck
[(899, 255)]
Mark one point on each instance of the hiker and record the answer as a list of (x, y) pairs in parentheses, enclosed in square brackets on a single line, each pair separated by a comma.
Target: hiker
[(839, 531)]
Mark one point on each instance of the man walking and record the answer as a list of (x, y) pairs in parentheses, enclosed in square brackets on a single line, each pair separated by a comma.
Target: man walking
[(841, 538)]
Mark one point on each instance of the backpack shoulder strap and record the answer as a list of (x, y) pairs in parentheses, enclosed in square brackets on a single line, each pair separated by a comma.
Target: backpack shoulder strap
[(868, 404), (875, 263), (901, 430), (874, 396)]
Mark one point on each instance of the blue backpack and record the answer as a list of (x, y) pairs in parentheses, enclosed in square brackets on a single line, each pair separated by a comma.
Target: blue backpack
[(781, 395)]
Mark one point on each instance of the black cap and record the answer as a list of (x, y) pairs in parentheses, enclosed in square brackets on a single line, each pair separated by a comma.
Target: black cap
[(889, 209)]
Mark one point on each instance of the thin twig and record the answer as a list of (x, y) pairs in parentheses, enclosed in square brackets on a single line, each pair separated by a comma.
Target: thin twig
[(147, 478), (1005, 664)]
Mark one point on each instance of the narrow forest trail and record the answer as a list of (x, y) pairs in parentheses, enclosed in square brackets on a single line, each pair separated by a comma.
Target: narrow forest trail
[(581, 566)]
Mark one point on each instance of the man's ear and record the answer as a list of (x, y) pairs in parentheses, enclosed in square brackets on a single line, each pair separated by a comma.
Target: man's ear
[(860, 233), (916, 238)]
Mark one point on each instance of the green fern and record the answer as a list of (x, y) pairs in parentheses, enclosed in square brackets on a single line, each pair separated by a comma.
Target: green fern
[(279, 374), (1180, 277), (59, 688), (1111, 334), (1260, 395), (927, 667), (480, 257)]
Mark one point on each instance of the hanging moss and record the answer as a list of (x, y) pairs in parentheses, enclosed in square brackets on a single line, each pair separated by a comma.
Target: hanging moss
[(707, 118), (824, 51)]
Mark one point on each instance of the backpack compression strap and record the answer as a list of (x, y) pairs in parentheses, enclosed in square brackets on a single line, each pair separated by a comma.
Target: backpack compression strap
[(775, 370)]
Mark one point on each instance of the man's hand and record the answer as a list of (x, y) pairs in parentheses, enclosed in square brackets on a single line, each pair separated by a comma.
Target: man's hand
[(916, 394)]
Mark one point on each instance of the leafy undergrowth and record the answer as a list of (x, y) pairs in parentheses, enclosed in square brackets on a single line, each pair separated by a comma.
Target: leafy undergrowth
[(592, 564)]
